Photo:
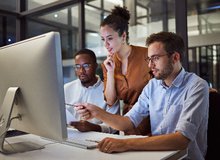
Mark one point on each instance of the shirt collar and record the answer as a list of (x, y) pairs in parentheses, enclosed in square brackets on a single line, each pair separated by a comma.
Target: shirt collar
[(99, 81), (178, 80)]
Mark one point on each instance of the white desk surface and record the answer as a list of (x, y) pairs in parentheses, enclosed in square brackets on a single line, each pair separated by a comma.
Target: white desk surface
[(57, 151)]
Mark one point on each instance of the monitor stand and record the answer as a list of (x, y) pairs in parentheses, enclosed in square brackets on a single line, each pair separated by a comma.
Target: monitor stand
[(5, 121)]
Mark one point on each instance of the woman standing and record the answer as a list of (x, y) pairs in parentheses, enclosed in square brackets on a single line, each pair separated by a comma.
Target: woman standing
[(125, 70)]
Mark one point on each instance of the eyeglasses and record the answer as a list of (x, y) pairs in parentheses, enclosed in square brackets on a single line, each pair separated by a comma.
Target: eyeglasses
[(154, 58), (85, 66)]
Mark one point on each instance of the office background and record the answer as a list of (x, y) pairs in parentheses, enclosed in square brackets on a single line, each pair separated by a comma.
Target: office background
[(78, 22)]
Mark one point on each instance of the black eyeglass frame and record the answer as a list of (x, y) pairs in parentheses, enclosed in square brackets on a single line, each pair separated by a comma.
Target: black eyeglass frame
[(85, 66), (154, 58)]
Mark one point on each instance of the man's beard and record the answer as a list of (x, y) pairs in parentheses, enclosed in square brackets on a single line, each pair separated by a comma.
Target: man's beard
[(165, 72)]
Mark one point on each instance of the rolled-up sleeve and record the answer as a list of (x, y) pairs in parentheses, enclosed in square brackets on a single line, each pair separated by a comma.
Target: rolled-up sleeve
[(195, 111), (139, 110)]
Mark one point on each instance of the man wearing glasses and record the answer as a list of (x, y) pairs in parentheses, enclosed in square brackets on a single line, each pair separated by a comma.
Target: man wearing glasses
[(88, 88), (176, 100)]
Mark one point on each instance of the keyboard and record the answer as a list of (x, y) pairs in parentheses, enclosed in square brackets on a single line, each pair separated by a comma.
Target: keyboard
[(81, 143), (89, 140), (13, 133)]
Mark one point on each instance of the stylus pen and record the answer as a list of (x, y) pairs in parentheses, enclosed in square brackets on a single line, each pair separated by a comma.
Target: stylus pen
[(70, 105), (90, 140)]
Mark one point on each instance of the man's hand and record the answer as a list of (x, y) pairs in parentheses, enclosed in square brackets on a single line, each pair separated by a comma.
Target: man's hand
[(85, 126), (110, 145), (87, 111)]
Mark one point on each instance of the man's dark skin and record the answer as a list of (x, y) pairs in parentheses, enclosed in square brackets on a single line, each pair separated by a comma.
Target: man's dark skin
[(87, 78)]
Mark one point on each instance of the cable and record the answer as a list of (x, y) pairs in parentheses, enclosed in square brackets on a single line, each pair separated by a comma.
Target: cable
[(16, 117)]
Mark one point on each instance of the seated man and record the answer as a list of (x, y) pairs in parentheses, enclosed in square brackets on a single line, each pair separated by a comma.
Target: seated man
[(176, 100), (87, 88)]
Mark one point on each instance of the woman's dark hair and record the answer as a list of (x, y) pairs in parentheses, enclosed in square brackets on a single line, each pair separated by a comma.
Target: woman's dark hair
[(171, 41), (118, 20), (88, 52)]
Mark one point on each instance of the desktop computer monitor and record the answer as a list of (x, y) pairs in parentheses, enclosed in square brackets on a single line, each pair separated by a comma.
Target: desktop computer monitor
[(31, 88)]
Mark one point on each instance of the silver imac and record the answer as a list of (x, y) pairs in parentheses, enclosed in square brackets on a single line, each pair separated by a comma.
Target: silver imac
[(31, 90)]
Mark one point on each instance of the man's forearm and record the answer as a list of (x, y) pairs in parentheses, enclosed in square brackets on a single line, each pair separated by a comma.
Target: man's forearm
[(115, 121)]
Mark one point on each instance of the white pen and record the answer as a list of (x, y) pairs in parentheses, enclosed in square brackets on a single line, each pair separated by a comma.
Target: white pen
[(90, 140), (70, 105)]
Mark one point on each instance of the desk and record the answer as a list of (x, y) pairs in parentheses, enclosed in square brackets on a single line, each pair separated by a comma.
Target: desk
[(57, 151)]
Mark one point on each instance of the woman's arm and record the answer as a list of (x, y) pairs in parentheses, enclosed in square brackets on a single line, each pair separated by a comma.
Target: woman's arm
[(109, 81), (110, 91)]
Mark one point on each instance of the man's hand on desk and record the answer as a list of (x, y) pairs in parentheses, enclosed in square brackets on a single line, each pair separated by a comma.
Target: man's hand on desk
[(110, 145), (85, 126)]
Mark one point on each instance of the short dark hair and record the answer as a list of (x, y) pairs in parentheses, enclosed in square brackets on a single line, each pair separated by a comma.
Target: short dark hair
[(88, 52), (171, 41), (118, 20)]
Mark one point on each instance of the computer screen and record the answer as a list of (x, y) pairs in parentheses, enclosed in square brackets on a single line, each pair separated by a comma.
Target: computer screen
[(33, 68)]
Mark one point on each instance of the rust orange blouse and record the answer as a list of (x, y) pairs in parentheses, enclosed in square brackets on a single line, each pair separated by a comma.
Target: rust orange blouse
[(129, 86)]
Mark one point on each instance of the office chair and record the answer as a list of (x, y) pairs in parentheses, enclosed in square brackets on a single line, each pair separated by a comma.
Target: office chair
[(213, 126)]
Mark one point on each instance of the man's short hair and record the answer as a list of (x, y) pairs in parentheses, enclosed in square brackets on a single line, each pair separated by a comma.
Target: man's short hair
[(171, 41), (88, 52)]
